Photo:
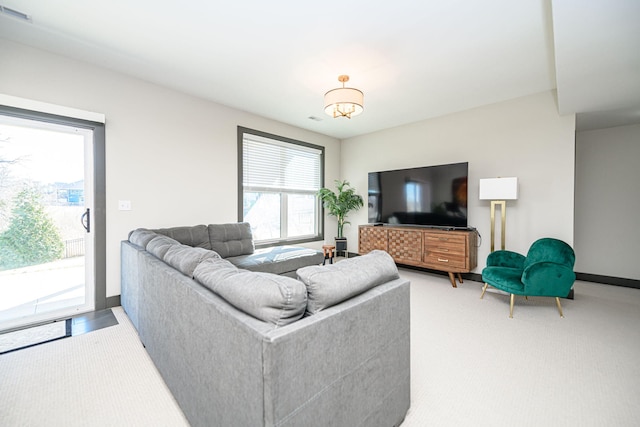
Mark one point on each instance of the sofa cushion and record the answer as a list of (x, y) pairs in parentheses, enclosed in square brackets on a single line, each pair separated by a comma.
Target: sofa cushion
[(331, 284), (278, 259), (196, 236), (213, 270), (141, 237), (185, 258), (278, 300), (231, 239), (159, 245)]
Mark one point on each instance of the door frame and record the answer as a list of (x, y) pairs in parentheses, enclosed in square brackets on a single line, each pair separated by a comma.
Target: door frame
[(98, 216)]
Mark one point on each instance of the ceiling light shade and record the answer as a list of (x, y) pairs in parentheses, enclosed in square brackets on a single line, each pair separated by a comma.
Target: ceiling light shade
[(499, 189), (344, 101)]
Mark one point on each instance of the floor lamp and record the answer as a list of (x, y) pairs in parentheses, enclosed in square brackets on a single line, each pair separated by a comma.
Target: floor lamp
[(498, 190)]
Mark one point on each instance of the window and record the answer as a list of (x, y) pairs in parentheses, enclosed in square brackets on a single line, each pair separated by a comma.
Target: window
[(412, 196), (80, 140), (278, 181)]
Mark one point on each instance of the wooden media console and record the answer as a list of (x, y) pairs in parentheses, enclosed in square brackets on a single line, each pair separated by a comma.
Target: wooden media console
[(453, 251)]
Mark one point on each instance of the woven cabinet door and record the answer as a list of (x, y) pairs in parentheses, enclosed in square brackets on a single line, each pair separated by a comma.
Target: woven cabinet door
[(371, 238)]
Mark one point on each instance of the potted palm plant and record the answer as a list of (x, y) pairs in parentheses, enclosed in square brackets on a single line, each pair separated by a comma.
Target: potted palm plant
[(339, 205)]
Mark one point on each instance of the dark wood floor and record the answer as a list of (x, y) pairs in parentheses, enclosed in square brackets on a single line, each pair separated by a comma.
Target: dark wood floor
[(20, 339), (92, 321)]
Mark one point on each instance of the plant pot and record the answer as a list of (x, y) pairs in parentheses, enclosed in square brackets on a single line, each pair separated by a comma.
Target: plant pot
[(341, 245)]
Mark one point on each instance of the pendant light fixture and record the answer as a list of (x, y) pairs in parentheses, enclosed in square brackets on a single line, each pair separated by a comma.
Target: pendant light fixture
[(343, 101)]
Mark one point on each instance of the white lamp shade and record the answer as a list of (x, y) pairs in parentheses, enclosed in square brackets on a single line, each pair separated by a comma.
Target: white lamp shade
[(343, 100), (499, 188)]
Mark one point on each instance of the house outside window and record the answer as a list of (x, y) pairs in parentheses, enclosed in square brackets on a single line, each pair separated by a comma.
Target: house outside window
[(278, 181)]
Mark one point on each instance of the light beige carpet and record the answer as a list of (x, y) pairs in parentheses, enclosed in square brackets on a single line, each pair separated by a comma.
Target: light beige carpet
[(474, 366), (102, 378), (471, 365)]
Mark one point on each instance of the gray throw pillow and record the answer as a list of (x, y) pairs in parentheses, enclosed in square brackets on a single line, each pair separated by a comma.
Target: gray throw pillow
[(328, 285), (231, 239), (275, 299)]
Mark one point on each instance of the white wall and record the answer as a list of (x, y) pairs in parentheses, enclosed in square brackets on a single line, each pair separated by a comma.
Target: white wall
[(608, 202), (172, 155), (525, 137)]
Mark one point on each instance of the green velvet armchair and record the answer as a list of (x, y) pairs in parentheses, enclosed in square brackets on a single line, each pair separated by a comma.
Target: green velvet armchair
[(546, 271)]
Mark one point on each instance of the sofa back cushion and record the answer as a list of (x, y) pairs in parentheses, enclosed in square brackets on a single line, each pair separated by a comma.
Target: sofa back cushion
[(196, 236), (141, 237), (278, 300), (159, 245), (329, 285), (231, 239), (185, 259)]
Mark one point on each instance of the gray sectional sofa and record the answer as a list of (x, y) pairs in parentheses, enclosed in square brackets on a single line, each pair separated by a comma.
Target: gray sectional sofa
[(251, 348), (234, 242)]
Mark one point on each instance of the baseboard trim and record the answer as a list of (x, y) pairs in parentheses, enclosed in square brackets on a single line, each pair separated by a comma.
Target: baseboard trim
[(608, 280), (113, 301)]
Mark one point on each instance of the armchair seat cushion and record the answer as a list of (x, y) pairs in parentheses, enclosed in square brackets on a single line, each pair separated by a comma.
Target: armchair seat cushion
[(504, 278)]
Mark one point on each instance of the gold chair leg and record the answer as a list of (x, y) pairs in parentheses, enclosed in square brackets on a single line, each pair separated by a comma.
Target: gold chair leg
[(511, 307), (559, 306), (484, 288)]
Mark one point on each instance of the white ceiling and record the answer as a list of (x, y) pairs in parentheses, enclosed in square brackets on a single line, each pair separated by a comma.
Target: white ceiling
[(412, 59)]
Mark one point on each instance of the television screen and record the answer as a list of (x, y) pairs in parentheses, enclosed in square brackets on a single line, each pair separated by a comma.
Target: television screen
[(433, 196)]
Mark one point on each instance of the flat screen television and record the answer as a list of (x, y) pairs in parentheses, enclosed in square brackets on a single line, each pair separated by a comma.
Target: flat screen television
[(431, 196)]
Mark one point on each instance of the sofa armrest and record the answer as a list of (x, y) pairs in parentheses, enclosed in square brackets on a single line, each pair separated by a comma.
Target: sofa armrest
[(354, 355), (129, 279)]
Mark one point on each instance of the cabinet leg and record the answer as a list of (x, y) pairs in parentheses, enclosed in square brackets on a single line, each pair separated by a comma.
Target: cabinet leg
[(459, 277), (453, 280)]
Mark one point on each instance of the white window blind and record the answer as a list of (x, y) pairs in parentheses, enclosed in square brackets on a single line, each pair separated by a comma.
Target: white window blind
[(275, 165)]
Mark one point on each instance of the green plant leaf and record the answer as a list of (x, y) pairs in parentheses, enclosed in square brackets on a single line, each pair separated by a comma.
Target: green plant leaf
[(340, 204)]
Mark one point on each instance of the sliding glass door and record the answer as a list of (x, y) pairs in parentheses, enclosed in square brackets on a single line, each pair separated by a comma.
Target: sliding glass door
[(46, 206)]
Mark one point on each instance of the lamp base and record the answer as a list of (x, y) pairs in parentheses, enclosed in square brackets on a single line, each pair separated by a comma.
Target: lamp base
[(503, 216)]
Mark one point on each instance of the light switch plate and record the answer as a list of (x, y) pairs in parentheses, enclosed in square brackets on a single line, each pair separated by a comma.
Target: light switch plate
[(124, 205)]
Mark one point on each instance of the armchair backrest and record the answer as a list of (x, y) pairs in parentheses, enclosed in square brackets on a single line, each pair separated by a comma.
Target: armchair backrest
[(548, 268), (551, 250)]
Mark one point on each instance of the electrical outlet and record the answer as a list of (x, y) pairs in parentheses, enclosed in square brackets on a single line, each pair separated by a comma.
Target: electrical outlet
[(124, 205)]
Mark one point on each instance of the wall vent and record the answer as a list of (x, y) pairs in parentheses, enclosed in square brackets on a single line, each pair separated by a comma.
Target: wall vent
[(15, 14)]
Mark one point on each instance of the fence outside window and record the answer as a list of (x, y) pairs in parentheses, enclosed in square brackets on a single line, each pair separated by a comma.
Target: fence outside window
[(73, 248)]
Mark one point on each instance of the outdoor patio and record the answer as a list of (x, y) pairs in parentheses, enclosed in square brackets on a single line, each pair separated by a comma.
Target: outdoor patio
[(41, 288)]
